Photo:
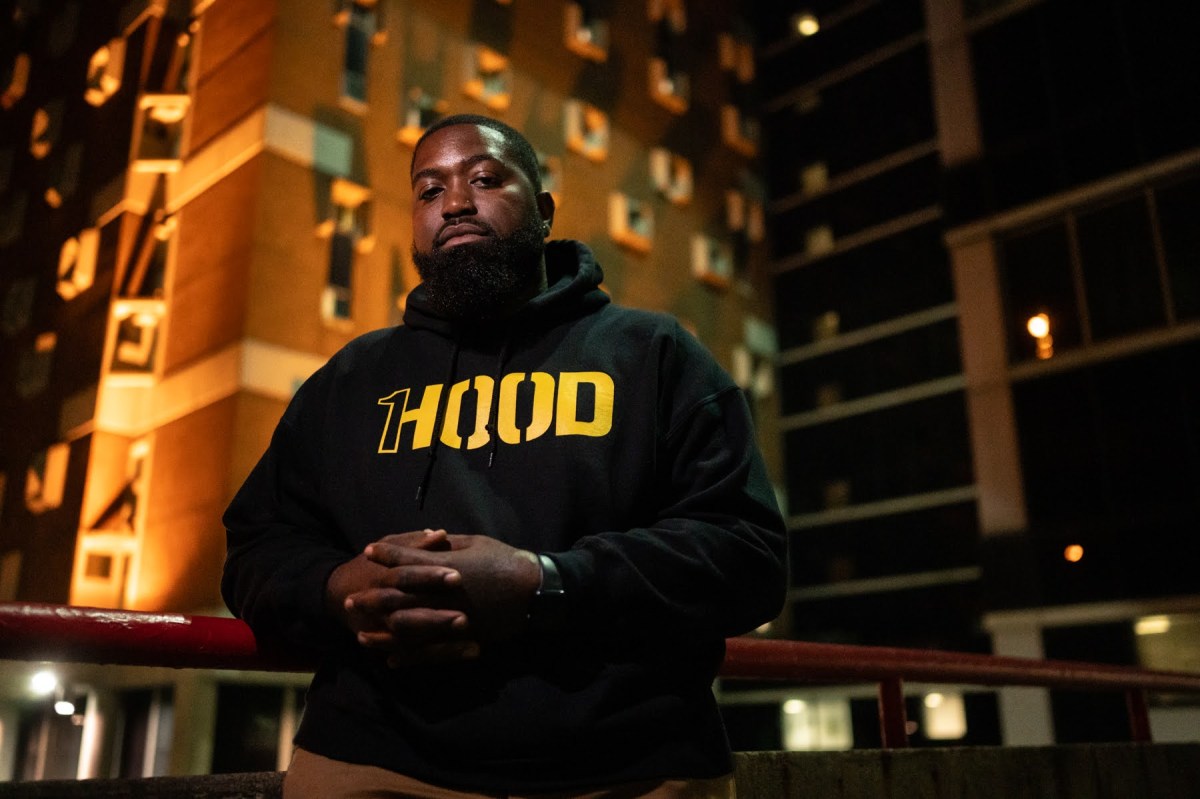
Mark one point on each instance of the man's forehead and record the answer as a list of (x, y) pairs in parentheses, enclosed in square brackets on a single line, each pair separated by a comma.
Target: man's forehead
[(457, 143)]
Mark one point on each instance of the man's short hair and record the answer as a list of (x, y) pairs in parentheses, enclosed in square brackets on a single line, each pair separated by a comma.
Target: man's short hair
[(518, 145)]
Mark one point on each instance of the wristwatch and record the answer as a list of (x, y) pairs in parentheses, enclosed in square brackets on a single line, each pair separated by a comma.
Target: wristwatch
[(548, 607)]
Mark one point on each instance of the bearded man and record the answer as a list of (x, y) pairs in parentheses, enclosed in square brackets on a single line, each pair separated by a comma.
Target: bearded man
[(514, 530)]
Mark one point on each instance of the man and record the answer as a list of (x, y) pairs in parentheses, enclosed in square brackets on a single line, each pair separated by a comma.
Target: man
[(516, 529)]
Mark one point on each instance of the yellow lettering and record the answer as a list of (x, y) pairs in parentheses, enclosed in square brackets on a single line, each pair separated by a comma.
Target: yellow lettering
[(422, 417), (484, 386), (567, 412), (543, 407)]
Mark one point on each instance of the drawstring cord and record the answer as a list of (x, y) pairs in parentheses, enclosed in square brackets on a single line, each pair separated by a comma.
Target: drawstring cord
[(494, 410), (439, 419)]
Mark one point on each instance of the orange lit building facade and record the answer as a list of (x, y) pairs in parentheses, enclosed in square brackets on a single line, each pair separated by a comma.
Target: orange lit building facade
[(202, 201)]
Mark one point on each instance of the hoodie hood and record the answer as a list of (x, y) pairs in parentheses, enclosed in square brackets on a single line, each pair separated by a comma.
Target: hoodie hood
[(573, 289)]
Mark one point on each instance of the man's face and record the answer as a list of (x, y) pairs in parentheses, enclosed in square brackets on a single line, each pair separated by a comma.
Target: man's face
[(478, 224)]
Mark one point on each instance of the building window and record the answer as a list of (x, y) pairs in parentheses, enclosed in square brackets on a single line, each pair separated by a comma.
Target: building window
[(744, 212), (107, 547), (712, 261), (15, 81), (814, 178), (144, 274), (46, 478), (421, 110), (550, 171), (12, 217), (587, 130), (585, 31), (361, 20), (488, 78), (672, 175), (670, 85), (630, 222), (64, 175), (735, 54), (45, 129), (17, 311), (346, 228), (33, 370), (104, 72), (77, 263), (159, 132), (739, 131), (137, 324)]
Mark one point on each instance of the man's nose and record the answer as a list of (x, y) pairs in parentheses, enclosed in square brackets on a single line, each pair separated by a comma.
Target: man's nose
[(458, 200)]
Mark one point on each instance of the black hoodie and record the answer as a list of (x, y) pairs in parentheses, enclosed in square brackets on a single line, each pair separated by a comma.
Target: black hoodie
[(618, 447)]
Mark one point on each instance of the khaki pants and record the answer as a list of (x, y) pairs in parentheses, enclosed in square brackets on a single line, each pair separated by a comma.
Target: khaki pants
[(312, 776)]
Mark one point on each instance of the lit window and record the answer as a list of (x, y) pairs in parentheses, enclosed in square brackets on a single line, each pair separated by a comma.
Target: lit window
[(361, 21), (489, 79), (739, 131), (77, 263), (736, 55), (712, 261), (630, 222), (670, 85), (145, 272), (346, 229), (104, 72), (420, 111), (585, 33), (826, 326), (46, 127), (64, 175), (46, 478), (17, 80), (672, 175), (137, 324), (160, 132), (818, 241), (550, 171), (744, 214), (814, 178), (587, 130)]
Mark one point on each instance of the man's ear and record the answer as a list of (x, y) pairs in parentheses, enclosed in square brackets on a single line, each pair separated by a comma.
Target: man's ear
[(545, 204)]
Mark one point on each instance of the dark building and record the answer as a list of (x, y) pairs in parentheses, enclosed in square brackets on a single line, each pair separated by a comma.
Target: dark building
[(987, 279)]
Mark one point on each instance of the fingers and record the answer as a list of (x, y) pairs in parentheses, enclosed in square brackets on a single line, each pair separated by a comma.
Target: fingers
[(427, 539)]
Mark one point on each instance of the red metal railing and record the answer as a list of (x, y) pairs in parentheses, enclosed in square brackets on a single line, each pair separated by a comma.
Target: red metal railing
[(89, 635)]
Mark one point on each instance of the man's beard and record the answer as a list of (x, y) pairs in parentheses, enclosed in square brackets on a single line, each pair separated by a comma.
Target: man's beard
[(480, 279)]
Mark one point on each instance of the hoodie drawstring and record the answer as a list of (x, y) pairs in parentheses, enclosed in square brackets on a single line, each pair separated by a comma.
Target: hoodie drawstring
[(439, 419), (494, 411)]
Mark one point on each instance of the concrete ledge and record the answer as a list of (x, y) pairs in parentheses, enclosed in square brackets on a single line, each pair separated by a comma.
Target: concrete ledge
[(1090, 771)]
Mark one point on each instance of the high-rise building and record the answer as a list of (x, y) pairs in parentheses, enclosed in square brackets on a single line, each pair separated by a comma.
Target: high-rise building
[(202, 200), (987, 283)]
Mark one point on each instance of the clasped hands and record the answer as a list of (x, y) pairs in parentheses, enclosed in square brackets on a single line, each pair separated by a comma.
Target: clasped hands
[(428, 596)]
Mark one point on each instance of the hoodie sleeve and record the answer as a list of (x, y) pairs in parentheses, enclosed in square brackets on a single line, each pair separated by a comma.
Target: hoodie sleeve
[(712, 560), (281, 543)]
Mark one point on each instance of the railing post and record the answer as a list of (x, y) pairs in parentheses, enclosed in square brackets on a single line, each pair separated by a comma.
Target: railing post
[(893, 721), (1139, 715)]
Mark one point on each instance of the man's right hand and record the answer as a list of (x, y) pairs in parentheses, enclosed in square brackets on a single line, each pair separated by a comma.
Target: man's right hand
[(403, 610)]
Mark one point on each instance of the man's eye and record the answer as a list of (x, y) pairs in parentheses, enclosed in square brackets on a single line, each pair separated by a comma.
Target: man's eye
[(487, 180), (429, 192)]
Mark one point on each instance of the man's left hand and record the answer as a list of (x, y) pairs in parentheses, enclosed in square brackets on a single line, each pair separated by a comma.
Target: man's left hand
[(498, 580)]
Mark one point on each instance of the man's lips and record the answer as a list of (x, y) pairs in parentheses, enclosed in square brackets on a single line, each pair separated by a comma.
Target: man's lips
[(453, 231)]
